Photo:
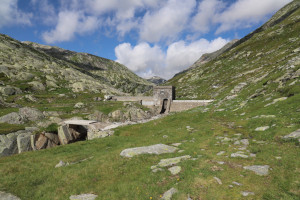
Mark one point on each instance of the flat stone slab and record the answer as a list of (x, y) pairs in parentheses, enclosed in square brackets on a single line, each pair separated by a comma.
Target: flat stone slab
[(261, 170), (263, 128), (168, 194), (80, 122), (175, 170), (153, 149), (237, 154), (172, 161), (8, 196), (83, 197), (293, 135)]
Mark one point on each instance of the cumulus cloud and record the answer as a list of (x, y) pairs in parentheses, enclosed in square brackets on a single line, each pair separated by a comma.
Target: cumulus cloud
[(70, 23), (11, 15), (148, 61), (245, 13), (207, 11), (166, 22), (46, 11), (142, 58)]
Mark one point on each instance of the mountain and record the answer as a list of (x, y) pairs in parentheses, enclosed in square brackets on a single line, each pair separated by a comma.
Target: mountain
[(156, 80), (263, 63), (31, 67), (244, 145), (209, 56)]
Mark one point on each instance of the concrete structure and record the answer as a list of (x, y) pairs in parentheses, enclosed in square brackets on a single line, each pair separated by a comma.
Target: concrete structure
[(164, 98)]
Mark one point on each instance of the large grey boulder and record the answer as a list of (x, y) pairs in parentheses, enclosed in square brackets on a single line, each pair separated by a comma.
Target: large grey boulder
[(36, 85), (24, 142), (261, 170), (292, 136), (8, 196), (12, 118), (168, 194), (64, 135), (31, 114), (8, 144), (153, 149), (9, 90)]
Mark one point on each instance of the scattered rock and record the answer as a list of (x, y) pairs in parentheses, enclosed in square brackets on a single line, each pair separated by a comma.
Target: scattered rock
[(238, 154), (8, 143), (165, 136), (9, 90), (168, 194), (8, 196), (31, 114), (12, 118), (176, 144), (293, 135), (35, 85), (261, 170), (218, 180), (236, 183), (172, 161), (94, 133), (175, 170), (23, 142), (84, 197), (245, 142), (64, 135), (61, 164), (79, 105), (220, 153), (245, 194), (153, 149), (263, 128)]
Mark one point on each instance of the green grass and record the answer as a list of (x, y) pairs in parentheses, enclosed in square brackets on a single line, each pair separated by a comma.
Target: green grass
[(32, 175), (9, 128)]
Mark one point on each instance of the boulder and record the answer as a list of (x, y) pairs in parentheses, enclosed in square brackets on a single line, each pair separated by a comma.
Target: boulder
[(292, 136), (31, 114), (172, 161), (36, 85), (8, 196), (117, 115), (98, 116), (64, 135), (39, 141), (79, 105), (95, 133), (261, 170), (12, 118), (24, 76), (24, 142), (8, 144), (168, 194), (9, 90), (153, 149), (263, 128), (175, 170)]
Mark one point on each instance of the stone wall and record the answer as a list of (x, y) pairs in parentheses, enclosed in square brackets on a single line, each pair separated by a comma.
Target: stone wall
[(132, 98), (163, 92), (181, 105)]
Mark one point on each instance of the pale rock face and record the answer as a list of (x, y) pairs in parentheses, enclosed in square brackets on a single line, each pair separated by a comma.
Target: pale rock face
[(261, 170), (293, 135), (153, 149), (263, 128), (8, 196), (24, 142), (168, 194), (36, 85)]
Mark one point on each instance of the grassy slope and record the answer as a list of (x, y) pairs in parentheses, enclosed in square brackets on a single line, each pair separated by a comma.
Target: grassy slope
[(32, 175)]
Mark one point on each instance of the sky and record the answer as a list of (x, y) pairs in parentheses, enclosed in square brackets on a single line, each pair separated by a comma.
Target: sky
[(150, 37)]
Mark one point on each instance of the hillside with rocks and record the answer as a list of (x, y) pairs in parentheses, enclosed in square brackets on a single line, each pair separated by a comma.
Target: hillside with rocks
[(29, 67), (243, 145), (156, 80)]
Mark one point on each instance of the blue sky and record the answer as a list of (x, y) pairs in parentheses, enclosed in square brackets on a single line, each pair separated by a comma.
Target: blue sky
[(150, 37)]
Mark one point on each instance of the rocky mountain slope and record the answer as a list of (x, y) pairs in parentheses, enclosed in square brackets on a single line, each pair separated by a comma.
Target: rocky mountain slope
[(209, 56), (265, 62), (156, 80), (244, 145), (31, 67)]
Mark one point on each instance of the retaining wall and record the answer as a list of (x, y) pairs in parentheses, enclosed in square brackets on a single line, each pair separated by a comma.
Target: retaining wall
[(132, 98), (181, 105)]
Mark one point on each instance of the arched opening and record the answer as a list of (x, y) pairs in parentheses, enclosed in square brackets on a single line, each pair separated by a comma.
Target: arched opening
[(164, 106)]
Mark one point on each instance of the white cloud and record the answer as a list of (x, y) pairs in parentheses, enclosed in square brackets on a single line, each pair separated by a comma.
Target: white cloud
[(166, 22), (11, 15), (46, 11), (149, 61), (245, 13), (207, 11), (141, 59), (70, 23)]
